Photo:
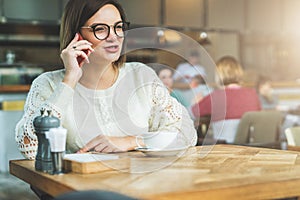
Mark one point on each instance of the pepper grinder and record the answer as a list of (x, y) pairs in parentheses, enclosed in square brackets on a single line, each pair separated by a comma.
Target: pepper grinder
[(42, 124)]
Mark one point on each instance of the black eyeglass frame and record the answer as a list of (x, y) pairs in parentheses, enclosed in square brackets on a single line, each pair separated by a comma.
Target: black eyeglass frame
[(93, 27)]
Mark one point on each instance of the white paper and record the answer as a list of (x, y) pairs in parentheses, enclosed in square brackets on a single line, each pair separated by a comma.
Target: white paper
[(90, 157), (57, 138)]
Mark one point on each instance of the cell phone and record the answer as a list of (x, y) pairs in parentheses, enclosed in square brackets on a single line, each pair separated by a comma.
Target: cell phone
[(86, 51)]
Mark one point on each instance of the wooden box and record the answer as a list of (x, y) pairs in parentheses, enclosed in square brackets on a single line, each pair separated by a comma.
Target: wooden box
[(93, 163)]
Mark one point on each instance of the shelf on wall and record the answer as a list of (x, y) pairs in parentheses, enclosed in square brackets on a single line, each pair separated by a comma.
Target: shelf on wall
[(14, 34), (14, 88), (30, 43)]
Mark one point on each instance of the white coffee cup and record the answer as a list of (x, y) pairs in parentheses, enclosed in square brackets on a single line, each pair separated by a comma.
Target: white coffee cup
[(158, 140)]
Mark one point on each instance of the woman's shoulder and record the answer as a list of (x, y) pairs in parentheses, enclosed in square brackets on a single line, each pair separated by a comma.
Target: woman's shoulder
[(249, 90), (137, 67), (134, 65), (137, 74), (246, 93), (50, 76)]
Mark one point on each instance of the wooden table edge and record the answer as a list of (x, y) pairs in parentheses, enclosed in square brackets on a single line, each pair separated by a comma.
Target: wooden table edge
[(28, 175), (248, 191), (240, 192)]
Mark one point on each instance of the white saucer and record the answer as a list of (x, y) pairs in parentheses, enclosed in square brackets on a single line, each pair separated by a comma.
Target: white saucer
[(162, 152)]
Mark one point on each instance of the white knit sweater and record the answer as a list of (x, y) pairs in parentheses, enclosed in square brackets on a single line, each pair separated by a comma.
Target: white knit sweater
[(136, 104)]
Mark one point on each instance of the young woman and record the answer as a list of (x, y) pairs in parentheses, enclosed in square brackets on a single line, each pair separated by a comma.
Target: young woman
[(103, 102)]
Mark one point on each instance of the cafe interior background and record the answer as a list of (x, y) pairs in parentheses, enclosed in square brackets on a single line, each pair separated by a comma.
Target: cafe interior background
[(264, 35)]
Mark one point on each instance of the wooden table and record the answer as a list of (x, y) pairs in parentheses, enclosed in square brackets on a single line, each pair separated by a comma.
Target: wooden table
[(204, 172)]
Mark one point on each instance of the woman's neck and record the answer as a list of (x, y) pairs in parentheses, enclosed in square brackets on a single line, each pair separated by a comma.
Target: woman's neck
[(98, 76), (233, 85)]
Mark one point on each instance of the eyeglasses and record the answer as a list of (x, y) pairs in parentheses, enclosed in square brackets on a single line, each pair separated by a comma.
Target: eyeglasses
[(102, 31)]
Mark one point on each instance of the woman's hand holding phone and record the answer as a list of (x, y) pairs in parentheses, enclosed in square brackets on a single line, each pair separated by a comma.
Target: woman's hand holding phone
[(80, 59), (74, 56)]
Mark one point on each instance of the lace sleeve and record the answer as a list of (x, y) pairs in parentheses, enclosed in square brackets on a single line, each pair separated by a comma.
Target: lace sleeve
[(46, 94), (168, 114)]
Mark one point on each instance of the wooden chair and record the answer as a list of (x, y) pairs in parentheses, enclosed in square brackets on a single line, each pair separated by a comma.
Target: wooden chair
[(204, 138), (293, 138), (260, 128)]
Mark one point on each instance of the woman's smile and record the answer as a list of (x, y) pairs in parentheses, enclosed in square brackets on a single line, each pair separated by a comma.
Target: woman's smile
[(112, 48)]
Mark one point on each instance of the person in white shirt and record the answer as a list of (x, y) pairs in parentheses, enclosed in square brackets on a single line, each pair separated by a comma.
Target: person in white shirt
[(105, 104), (187, 70)]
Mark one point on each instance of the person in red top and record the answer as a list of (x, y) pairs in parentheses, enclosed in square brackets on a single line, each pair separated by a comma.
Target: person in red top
[(231, 100)]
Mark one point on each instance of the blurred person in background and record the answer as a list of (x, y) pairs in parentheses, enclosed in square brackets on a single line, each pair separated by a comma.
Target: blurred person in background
[(267, 97), (165, 74), (238, 99), (231, 97), (187, 70), (198, 90)]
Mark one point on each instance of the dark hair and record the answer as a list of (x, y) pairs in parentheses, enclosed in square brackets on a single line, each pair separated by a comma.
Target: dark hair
[(194, 53), (261, 80), (199, 79), (162, 67), (76, 13)]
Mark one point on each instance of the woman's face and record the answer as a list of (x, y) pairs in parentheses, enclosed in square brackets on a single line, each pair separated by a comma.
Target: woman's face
[(110, 48), (165, 76), (265, 88)]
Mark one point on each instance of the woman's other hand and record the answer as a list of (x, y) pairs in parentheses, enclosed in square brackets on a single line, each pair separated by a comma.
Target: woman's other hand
[(107, 144), (77, 50), (198, 97)]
